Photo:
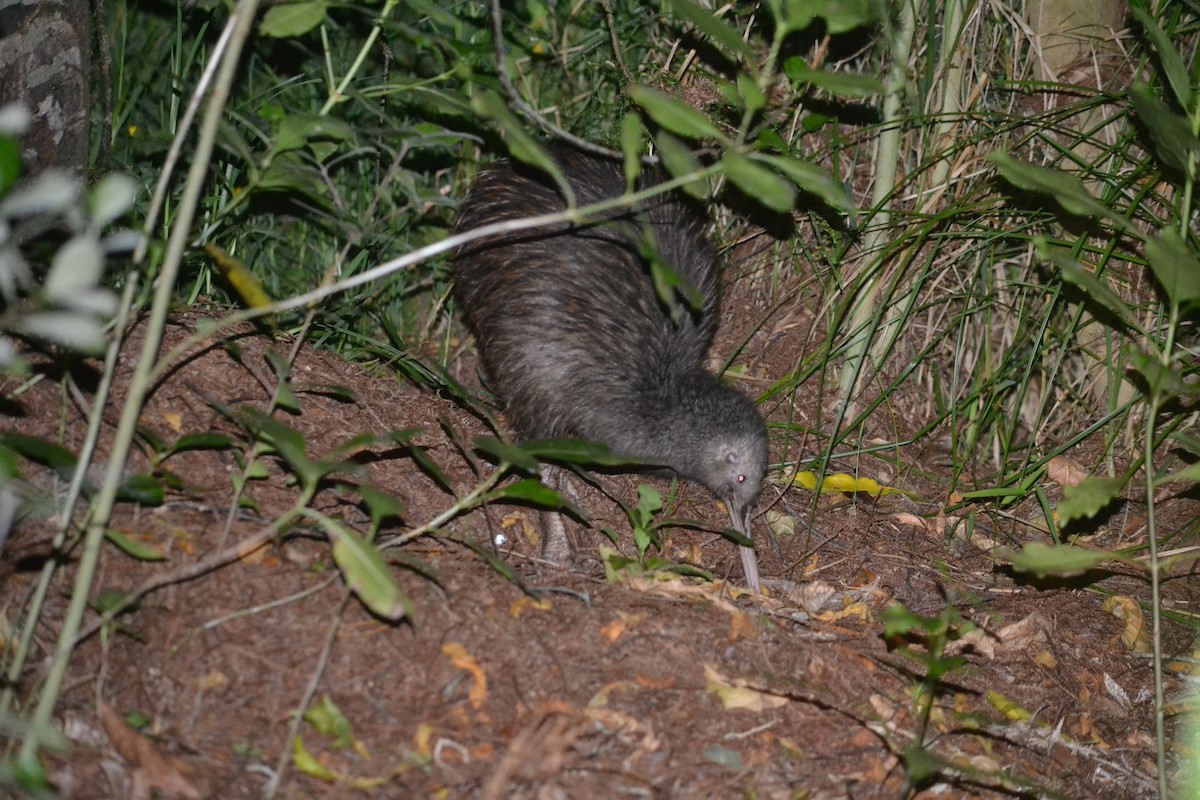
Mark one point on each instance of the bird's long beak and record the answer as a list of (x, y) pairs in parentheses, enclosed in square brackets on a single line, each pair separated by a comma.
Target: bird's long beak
[(740, 517)]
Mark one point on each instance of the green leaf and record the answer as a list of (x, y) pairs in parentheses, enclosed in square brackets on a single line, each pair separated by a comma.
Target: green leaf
[(145, 490), (134, 548), (617, 566), (506, 454), (680, 163), (288, 172), (98, 303), (1160, 379), (70, 329), (502, 567), (367, 573), (52, 192), (287, 442), (737, 537), (1093, 286), (1175, 267), (1187, 442), (292, 19), (1174, 142), (111, 197), (921, 765), (77, 266), (1064, 187), (10, 162), (721, 33), (650, 500), (198, 441), (380, 504), (1064, 561), (327, 719), (675, 115), (841, 16), (581, 452), (759, 183), (10, 470), (631, 148), (523, 147), (431, 468), (338, 392), (1086, 499), (113, 601), (285, 397), (1172, 63), (669, 285), (814, 180), (1190, 473), (661, 564), (898, 620), (309, 764), (835, 83), (751, 95), (298, 129), (396, 436), (529, 490), (48, 454)]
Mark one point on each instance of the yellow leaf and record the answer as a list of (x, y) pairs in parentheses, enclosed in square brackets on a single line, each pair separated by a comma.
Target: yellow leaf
[(600, 698), (1044, 658), (1008, 707), (423, 740), (745, 699), (844, 483), (524, 603), (1134, 637), (614, 630), (241, 279), (459, 656), (213, 680), (781, 524), (857, 610), (739, 697), (307, 763)]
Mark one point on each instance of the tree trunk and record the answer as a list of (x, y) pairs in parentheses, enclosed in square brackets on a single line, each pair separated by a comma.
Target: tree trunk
[(45, 65)]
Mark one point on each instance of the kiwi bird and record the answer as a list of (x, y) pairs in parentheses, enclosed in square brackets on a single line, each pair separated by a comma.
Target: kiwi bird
[(576, 341)]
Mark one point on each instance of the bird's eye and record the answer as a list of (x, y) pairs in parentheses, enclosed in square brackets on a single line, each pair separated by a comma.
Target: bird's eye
[(741, 478)]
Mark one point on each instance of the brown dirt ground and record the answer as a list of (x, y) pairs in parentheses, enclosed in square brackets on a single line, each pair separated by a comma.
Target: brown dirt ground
[(647, 687)]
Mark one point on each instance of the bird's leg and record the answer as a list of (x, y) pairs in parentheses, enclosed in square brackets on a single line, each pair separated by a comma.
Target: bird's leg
[(556, 544)]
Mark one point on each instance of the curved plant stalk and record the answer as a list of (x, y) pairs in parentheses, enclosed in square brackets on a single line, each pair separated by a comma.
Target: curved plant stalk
[(1152, 408), (338, 93), (953, 90), (240, 21), (417, 256), (859, 322), (67, 511)]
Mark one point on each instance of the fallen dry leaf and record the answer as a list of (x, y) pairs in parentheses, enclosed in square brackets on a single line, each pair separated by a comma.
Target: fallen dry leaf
[(526, 603), (459, 656), (614, 630), (912, 520), (1025, 634), (1134, 636), (1065, 472), (741, 626), (212, 680), (153, 769), (733, 694), (978, 640)]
